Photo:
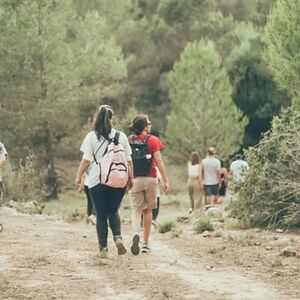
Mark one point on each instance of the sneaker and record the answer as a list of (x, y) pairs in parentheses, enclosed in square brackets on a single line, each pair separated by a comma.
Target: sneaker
[(120, 246), (92, 219), (146, 249), (154, 223), (103, 252), (190, 210), (135, 248)]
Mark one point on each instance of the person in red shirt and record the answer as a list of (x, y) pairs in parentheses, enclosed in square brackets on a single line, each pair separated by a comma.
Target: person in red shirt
[(144, 190)]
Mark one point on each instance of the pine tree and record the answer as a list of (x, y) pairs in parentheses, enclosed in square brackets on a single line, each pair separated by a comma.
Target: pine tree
[(50, 61), (203, 113)]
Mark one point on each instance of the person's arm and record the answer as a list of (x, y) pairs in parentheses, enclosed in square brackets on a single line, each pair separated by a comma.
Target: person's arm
[(200, 175), (161, 167), (80, 172), (130, 174)]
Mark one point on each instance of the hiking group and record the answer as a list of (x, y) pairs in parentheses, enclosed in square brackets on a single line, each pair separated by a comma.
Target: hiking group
[(111, 164), (207, 179)]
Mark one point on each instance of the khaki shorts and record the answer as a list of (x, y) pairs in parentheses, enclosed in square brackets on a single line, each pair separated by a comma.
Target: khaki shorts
[(143, 193)]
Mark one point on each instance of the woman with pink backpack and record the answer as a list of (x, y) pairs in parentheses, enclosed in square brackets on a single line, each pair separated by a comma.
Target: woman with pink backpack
[(106, 152)]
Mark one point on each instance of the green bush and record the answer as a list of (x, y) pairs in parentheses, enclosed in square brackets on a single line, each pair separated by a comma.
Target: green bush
[(270, 196), (166, 226), (203, 224), (24, 182)]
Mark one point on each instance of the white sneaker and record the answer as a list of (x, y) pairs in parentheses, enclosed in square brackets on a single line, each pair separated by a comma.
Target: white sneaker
[(190, 210), (92, 219), (146, 248)]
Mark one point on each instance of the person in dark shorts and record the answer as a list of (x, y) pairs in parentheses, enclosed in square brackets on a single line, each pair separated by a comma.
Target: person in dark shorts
[(211, 167)]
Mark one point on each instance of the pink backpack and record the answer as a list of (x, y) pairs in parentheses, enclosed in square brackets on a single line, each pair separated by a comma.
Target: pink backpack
[(113, 166)]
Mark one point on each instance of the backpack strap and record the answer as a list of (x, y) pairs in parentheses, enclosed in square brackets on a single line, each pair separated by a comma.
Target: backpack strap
[(94, 154), (116, 138)]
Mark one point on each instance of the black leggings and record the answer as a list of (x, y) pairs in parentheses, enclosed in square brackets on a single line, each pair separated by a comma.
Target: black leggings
[(106, 202), (90, 205), (155, 211)]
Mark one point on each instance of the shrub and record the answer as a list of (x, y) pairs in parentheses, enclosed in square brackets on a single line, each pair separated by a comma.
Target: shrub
[(25, 182), (166, 226), (203, 224), (270, 196)]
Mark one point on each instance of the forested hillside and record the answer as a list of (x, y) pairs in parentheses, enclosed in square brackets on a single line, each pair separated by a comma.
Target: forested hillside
[(199, 68)]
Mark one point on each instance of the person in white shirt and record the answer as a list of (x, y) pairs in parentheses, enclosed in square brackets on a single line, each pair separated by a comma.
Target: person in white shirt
[(3, 154), (194, 181), (106, 199), (211, 167), (238, 168)]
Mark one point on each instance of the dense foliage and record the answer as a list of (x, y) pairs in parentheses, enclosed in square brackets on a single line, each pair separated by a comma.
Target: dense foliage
[(271, 193), (270, 196), (283, 45)]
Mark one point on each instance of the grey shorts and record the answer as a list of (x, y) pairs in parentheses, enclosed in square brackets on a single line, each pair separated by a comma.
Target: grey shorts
[(211, 190)]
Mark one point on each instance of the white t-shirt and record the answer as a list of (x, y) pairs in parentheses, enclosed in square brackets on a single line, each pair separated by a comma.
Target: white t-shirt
[(91, 145), (211, 166), (238, 167), (3, 154), (193, 170)]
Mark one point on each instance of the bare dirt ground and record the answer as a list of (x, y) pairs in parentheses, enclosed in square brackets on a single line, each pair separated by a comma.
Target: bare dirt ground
[(43, 257)]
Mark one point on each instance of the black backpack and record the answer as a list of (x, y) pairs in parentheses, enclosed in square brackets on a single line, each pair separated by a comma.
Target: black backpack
[(141, 159)]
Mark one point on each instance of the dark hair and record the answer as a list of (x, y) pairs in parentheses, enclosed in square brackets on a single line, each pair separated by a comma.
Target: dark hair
[(194, 158), (139, 123), (103, 118)]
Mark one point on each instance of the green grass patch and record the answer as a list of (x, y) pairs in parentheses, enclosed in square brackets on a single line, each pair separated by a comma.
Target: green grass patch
[(68, 203), (166, 226), (203, 224)]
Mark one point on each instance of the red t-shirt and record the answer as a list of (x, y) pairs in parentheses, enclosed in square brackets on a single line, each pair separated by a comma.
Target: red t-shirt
[(153, 145)]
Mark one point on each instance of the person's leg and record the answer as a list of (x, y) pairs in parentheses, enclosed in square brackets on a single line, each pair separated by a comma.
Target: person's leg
[(191, 194), (137, 201), (197, 195), (98, 198), (114, 198), (147, 213), (215, 192), (155, 211), (150, 197), (207, 196), (89, 201)]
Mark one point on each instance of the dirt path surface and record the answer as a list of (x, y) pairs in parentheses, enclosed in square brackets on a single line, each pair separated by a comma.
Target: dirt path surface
[(45, 258)]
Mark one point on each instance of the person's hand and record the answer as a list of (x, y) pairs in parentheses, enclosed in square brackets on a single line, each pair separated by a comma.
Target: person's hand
[(166, 187), (78, 183)]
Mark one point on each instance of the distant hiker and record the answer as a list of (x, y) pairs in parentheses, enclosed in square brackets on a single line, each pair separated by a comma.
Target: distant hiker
[(211, 176), (145, 157), (3, 154), (97, 146), (238, 168), (194, 181), (223, 179)]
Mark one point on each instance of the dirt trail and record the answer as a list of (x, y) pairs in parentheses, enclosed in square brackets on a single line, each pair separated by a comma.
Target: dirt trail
[(46, 258)]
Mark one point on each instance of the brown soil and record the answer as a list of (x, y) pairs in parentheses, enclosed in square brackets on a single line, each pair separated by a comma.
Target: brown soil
[(45, 258)]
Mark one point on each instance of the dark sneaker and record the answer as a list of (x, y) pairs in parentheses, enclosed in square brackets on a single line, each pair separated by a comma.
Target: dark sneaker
[(146, 249), (135, 248), (120, 246)]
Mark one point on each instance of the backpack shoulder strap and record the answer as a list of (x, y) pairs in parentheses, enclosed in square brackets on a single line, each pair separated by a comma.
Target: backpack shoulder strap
[(116, 138), (94, 153)]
